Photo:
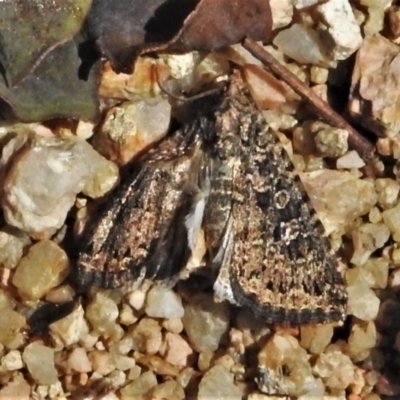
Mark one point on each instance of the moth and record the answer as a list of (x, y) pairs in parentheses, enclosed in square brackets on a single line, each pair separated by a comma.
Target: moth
[(226, 172)]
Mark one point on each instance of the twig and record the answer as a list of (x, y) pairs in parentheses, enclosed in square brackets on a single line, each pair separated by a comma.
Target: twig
[(356, 141)]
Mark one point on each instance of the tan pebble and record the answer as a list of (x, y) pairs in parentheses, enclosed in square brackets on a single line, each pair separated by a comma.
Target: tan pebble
[(16, 388), (70, 329), (12, 361), (173, 325), (159, 365), (316, 338), (204, 360), (78, 361), (146, 336), (102, 362), (61, 294), (127, 316), (44, 267), (139, 387), (137, 299), (134, 372), (124, 363), (178, 350), (170, 390)]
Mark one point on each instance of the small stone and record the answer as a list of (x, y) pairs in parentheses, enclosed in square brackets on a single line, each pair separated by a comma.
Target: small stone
[(146, 335), (284, 367), (173, 325), (177, 350), (363, 337), (217, 384), (102, 362), (330, 141), (11, 325), (205, 359), (282, 13), (374, 93), (16, 388), (170, 390), (61, 294), (124, 363), (346, 197), (391, 218), (388, 192), (12, 361), (368, 238), (70, 329), (162, 302), (102, 312), (44, 267), (316, 338), (78, 361), (137, 299), (124, 346), (302, 44), (345, 34), (362, 302), (336, 370), (375, 215), (134, 372), (6, 301), (10, 250), (39, 360), (350, 160), (42, 181), (158, 365), (140, 387), (127, 316), (131, 127), (205, 321), (319, 75), (373, 274)]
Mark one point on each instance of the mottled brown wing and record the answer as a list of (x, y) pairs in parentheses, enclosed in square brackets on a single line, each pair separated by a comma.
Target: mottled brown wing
[(141, 232), (274, 255)]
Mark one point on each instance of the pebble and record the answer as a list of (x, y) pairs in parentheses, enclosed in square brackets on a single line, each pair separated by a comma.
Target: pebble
[(350, 160), (170, 390), (43, 268), (102, 312), (178, 350), (374, 92), (39, 360), (388, 192), (391, 218), (205, 322), (61, 294), (16, 388), (335, 369), (368, 238), (346, 197), (11, 361), (10, 250), (363, 337), (78, 361), (329, 141), (70, 329), (316, 338), (11, 325), (139, 387), (162, 302), (67, 166), (102, 362), (284, 367), (362, 302), (146, 336), (373, 274), (302, 44), (131, 127), (217, 384), (345, 34)]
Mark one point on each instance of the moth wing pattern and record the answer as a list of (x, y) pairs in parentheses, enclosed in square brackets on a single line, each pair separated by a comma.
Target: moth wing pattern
[(274, 256), (141, 232)]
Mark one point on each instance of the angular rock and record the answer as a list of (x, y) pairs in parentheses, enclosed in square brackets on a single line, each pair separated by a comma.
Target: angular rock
[(362, 302), (45, 266), (10, 250), (205, 321), (217, 383), (102, 312), (39, 360), (162, 302)]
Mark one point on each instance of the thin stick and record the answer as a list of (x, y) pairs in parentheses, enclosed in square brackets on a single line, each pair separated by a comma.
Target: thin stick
[(356, 141)]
